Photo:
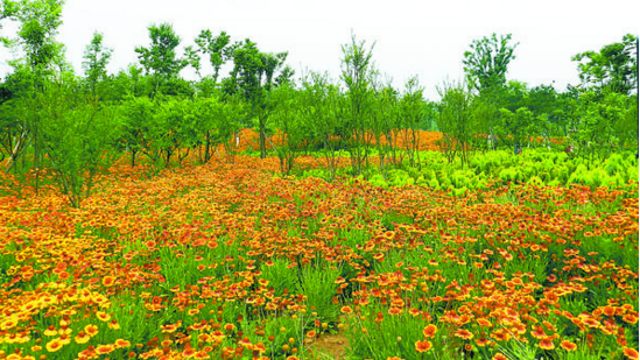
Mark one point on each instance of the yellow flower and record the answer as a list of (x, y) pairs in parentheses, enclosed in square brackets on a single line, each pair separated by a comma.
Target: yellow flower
[(103, 316), (82, 337), (54, 345), (113, 325), (92, 330)]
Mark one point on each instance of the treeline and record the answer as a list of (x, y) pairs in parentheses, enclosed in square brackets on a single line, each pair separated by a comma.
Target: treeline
[(72, 127)]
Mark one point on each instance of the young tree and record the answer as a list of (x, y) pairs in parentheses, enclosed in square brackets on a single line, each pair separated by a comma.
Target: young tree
[(254, 75), (216, 48), (287, 118), (412, 113), (323, 110), (356, 74), (78, 134), (486, 63), (455, 121), (614, 67), (38, 23), (137, 115), (96, 58), (8, 9), (519, 125), (160, 58), (384, 120)]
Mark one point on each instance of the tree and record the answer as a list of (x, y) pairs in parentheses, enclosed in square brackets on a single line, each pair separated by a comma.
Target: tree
[(160, 58), (547, 106), (96, 58), (455, 121), (287, 118), (216, 48), (77, 136), (254, 75), (486, 63), (614, 67), (384, 121), (323, 110), (519, 124), (8, 9), (413, 110), (356, 74), (38, 24), (137, 116)]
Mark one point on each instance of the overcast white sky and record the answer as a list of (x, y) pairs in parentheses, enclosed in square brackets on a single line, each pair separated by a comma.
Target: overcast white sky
[(427, 38)]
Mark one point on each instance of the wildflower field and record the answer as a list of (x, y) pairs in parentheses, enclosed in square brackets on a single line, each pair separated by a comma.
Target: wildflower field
[(229, 261)]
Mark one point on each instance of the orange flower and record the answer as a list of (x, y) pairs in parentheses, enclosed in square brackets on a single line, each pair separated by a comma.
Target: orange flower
[(54, 345), (423, 346), (113, 325), (150, 244), (482, 341), (202, 355), (104, 349), (82, 337), (346, 310), (50, 331), (464, 334), (631, 318), (378, 256), (108, 281), (499, 356), (630, 353), (429, 331), (188, 352), (546, 344), (120, 343), (394, 311), (92, 330), (168, 329), (568, 345), (103, 316)]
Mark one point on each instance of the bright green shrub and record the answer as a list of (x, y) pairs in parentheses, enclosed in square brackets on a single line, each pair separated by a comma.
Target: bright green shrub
[(459, 191), (632, 173), (378, 180), (434, 184), (579, 176), (614, 164), (560, 173), (535, 180), (599, 177)]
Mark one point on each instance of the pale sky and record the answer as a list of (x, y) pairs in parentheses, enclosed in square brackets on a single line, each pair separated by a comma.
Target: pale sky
[(427, 38)]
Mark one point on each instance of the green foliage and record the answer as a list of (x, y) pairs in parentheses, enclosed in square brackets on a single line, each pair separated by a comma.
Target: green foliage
[(280, 277), (614, 67), (216, 48), (160, 58), (96, 58), (137, 120), (287, 117), (318, 283), (356, 74), (486, 63), (77, 136), (456, 122)]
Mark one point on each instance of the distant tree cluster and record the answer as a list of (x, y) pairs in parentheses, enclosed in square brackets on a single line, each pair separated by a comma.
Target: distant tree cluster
[(54, 121)]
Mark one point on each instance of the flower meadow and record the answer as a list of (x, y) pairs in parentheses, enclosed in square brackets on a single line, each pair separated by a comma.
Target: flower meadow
[(229, 261)]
